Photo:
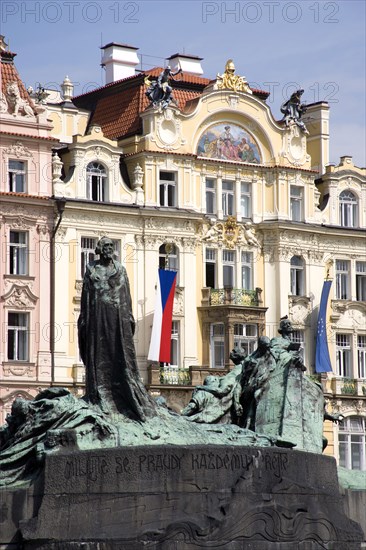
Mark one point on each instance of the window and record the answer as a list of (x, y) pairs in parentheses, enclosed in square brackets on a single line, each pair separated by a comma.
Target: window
[(297, 336), (96, 182), (361, 281), (17, 174), (167, 189), (168, 257), (228, 260), (217, 345), (210, 196), (296, 203), (18, 252), (210, 266), (344, 358), (247, 270), (18, 336), (245, 201), (245, 338), (348, 209), (352, 443), (361, 355), (87, 252), (342, 279), (297, 276), (228, 198), (174, 345)]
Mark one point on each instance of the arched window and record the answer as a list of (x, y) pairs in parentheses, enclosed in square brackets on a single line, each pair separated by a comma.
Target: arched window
[(352, 443), (348, 209), (169, 258), (297, 276), (96, 178)]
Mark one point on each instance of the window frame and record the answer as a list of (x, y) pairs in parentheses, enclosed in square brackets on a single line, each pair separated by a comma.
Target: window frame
[(217, 343), (344, 359), (297, 276), (244, 342), (348, 209), (247, 263), (348, 437), (228, 264), (343, 286), (165, 185), (296, 200), (18, 330), (228, 206), (14, 172), (247, 194), (18, 254), (361, 356), (360, 280), (101, 182), (210, 192), (210, 261)]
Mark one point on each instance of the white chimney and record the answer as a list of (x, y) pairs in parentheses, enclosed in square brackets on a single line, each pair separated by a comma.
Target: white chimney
[(188, 63), (119, 60)]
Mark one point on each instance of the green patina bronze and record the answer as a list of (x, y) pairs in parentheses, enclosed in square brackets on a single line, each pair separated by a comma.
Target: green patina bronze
[(265, 400)]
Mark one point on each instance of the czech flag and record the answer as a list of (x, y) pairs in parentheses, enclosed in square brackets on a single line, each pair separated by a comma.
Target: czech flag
[(162, 327)]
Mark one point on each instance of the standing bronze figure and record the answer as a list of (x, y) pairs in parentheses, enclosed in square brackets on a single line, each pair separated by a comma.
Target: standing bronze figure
[(105, 328)]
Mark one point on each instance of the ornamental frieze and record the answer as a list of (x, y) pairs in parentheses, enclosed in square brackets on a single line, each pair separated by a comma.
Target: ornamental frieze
[(18, 150), (230, 234), (20, 297)]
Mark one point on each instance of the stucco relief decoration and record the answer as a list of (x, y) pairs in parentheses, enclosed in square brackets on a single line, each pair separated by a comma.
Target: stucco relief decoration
[(231, 81), (348, 314), (18, 150), (20, 297), (178, 304), (299, 309), (168, 130), (294, 146), (230, 234), (226, 141), (18, 105)]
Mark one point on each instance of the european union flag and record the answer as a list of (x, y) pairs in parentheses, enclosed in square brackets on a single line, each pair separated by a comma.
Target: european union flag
[(322, 359)]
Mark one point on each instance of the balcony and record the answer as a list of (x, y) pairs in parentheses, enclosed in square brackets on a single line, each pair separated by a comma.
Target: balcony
[(231, 296), (352, 387)]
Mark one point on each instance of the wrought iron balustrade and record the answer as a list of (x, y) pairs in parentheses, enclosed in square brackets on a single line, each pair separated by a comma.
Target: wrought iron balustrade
[(175, 376), (234, 296)]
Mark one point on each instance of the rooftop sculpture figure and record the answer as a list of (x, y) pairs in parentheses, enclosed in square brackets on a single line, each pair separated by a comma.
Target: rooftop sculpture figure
[(293, 110), (159, 91), (231, 81)]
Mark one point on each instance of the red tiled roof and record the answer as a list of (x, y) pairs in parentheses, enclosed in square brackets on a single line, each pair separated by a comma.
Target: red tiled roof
[(13, 194), (17, 134), (10, 74), (116, 107)]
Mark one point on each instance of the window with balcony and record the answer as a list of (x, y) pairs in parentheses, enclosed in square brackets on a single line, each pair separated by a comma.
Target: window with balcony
[(210, 196), (245, 338), (210, 267), (18, 253), (361, 355), (245, 200), (296, 203), (18, 336), (96, 178), (344, 355), (297, 276), (342, 279), (17, 176), (228, 198), (228, 261), (352, 443), (247, 270), (217, 345), (167, 189), (348, 209), (361, 281)]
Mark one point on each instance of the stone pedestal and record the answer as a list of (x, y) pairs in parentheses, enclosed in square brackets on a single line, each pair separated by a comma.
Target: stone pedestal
[(182, 498)]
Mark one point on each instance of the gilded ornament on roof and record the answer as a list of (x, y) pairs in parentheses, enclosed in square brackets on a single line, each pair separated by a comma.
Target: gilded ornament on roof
[(231, 81)]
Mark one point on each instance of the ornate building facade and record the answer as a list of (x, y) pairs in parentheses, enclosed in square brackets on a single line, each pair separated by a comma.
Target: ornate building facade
[(26, 221), (246, 205)]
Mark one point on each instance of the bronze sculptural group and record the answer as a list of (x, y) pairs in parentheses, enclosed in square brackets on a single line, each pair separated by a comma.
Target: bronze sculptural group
[(257, 403)]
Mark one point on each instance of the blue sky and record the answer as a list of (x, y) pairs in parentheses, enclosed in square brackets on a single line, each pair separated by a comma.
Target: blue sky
[(278, 45)]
